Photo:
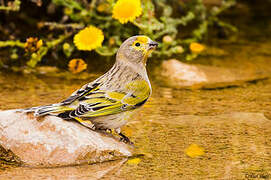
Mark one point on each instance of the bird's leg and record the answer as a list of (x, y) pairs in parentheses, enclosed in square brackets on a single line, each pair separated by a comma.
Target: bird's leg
[(123, 138), (105, 130)]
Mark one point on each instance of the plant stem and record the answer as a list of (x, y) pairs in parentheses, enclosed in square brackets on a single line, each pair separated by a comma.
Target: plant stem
[(56, 25), (11, 43)]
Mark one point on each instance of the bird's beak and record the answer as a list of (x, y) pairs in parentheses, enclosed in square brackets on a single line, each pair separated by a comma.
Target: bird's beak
[(152, 45)]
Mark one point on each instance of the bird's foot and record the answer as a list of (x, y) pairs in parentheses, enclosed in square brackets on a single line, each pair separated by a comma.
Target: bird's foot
[(104, 130), (125, 139), (108, 131)]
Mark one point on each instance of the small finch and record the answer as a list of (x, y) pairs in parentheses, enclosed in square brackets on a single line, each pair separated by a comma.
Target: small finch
[(109, 101)]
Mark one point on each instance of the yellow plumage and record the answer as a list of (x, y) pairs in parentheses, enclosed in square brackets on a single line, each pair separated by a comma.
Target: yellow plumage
[(109, 101)]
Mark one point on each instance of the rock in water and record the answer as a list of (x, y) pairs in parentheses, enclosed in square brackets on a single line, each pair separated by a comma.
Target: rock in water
[(52, 141), (176, 74)]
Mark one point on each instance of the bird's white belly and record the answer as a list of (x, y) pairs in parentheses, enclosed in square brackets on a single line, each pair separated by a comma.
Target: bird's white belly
[(113, 121)]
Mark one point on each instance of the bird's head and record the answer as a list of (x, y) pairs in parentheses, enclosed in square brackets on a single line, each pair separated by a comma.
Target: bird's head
[(136, 49)]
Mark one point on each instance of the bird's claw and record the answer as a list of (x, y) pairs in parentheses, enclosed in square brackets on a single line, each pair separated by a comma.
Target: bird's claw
[(125, 139), (109, 131)]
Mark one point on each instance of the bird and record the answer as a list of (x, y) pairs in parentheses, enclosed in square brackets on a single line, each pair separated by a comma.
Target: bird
[(108, 102)]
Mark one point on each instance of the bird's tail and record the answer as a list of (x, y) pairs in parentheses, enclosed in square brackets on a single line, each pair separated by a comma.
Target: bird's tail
[(52, 109)]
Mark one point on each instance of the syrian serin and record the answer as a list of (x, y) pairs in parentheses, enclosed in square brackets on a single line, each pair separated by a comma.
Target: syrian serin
[(109, 101)]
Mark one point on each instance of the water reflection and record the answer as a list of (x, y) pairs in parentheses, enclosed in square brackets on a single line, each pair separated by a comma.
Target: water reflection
[(169, 123), (95, 171)]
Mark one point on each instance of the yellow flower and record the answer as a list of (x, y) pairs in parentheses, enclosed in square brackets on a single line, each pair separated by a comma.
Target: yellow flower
[(32, 44), (194, 150), (66, 46), (127, 10), (77, 65), (196, 47), (89, 38), (102, 7), (112, 41)]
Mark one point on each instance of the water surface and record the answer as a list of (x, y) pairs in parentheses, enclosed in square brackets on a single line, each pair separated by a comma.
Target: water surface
[(170, 122)]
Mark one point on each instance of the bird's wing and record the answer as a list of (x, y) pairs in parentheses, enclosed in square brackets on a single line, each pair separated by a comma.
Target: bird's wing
[(86, 89), (63, 108), (104, 102)]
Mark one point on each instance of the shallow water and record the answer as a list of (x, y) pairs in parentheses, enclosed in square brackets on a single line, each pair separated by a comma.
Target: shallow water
[(168, 124)]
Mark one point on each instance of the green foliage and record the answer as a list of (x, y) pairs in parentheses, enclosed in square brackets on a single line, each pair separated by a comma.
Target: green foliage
[(12, 6), (37, 56), (162, 20)]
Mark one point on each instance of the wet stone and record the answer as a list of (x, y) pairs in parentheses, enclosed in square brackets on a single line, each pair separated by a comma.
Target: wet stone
[(176, 74), (51, 141)]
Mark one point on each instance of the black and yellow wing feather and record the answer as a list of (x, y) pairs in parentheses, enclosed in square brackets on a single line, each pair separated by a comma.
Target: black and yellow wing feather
[(92, 101)]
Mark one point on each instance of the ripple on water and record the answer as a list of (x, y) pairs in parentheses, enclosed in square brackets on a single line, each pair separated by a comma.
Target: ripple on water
[(236, 144)]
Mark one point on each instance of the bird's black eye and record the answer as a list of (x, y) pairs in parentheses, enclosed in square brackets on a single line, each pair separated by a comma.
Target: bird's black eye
[(137, 44)]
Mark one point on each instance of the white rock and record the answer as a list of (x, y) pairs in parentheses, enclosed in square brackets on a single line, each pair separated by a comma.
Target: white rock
[(51, 141)]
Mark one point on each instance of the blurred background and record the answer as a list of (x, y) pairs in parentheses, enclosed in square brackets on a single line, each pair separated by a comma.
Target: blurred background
[(35, 32), (209, 114)]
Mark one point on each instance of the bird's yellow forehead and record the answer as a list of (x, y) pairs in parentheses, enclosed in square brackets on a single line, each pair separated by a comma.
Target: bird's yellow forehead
[(140, 43), (142, 39)]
